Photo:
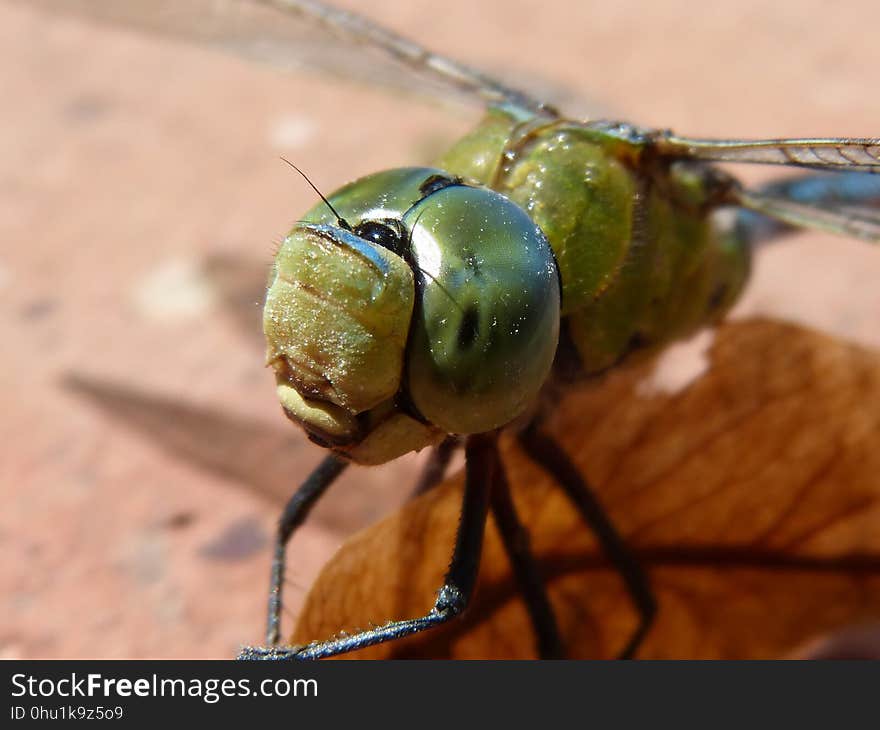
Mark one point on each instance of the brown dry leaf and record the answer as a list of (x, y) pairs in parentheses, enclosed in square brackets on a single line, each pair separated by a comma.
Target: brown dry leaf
[(751, 496)]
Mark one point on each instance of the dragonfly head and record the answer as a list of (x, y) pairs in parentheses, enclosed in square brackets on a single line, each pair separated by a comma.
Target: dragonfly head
[(431, 307)]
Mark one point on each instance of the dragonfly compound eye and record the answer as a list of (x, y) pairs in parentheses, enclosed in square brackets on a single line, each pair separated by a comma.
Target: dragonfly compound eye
[(486, 320)]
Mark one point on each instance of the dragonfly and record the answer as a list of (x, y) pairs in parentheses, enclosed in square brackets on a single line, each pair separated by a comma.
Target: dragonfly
[(434, 307)]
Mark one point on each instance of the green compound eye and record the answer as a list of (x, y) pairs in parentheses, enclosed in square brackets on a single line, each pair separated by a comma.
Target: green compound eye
[(486, 321)]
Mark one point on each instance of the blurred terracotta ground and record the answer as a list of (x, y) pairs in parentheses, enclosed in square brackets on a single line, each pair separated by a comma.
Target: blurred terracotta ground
[(144, 458)]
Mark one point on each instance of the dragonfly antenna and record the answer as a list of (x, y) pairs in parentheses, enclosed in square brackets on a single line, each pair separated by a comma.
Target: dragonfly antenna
[(339, 219)]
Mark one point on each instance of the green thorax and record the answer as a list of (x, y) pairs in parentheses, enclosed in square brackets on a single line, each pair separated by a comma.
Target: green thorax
[(642, 255)]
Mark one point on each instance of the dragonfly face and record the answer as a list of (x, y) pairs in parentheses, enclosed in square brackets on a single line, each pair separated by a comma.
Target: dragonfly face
[(436, 313)]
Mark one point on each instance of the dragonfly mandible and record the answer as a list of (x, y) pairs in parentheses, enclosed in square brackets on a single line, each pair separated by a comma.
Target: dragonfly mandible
[(606, 232)]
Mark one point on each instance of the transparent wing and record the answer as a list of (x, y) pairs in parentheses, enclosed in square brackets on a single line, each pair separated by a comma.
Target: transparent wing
[(295, 34), (848, 204), (850, 221), (854, 155)]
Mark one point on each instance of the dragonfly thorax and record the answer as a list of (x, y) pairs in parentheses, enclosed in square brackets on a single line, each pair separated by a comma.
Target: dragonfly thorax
[(437, 313)]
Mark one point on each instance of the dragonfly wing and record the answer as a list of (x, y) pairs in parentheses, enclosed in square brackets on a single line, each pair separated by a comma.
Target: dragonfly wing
[(841, 154), (297, 34), (848, 204)]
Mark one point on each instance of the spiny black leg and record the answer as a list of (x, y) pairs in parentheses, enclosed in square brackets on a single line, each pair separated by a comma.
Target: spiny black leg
[(295, 512), (516, 542), (458, 586), (546, 452), (435, 467)]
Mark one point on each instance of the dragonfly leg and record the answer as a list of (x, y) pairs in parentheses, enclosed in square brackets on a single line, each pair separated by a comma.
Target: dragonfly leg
[(458, 585), (295, 512), (515, 539), (435, 467), (547, 453), (525, 569)]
